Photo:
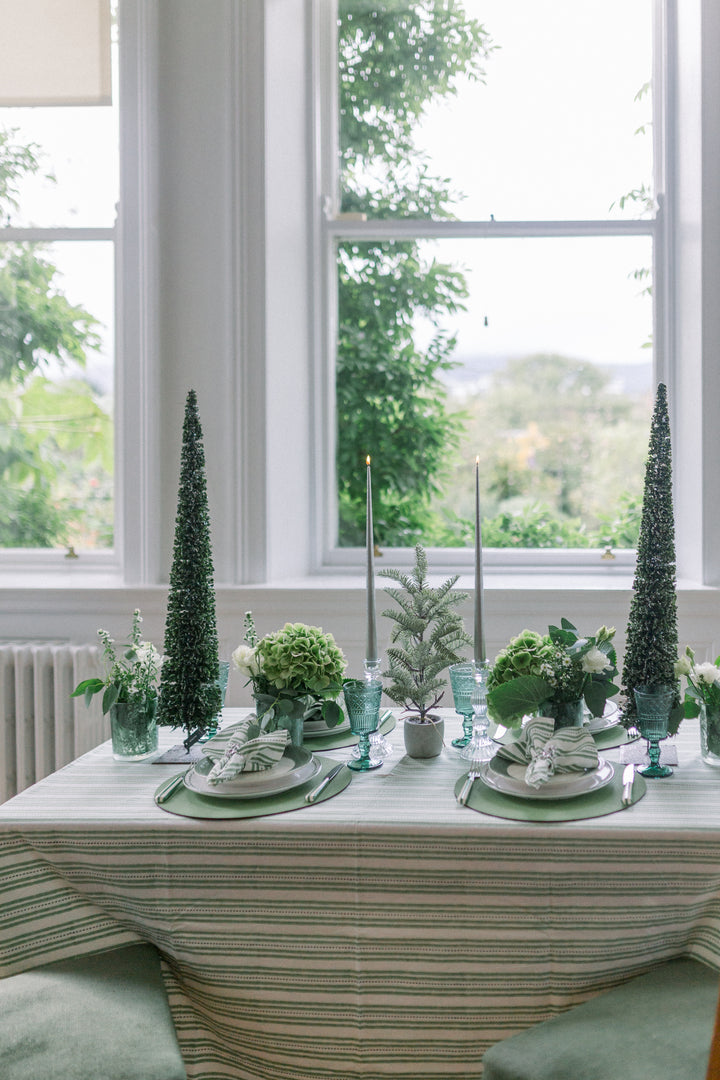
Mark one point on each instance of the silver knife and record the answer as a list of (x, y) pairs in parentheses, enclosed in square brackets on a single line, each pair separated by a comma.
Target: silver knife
[(171, 786), (628, 778), (312, 795)]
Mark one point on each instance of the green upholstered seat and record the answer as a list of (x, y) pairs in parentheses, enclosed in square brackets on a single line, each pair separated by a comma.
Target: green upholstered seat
[(102, 1017), (657, 1026)]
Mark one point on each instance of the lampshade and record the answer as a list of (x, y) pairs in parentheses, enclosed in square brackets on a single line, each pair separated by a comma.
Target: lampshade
[(55, 52)]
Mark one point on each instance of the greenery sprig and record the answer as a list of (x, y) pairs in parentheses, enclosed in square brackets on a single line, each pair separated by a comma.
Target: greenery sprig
[(133, 676), (425, 639), (703, 683)]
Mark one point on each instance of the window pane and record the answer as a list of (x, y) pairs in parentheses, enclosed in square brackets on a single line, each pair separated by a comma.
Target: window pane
[(517, 109), (76, 182), (56, 453), (59, 165), (531, 353)]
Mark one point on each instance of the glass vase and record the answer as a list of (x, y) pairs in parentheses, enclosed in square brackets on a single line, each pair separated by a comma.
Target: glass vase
[(133, 727), (221, 683), (710, 734), (564, 713)]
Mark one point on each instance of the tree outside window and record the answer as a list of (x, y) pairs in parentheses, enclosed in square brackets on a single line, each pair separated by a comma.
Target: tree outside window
[(547, 248)]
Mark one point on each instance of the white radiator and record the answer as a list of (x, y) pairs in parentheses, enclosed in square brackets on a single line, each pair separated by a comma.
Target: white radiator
[(41, 726)]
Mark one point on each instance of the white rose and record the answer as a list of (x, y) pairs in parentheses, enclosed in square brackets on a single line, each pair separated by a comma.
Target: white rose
[(707, 673), (245, 660), (683, 666), (595, 661)]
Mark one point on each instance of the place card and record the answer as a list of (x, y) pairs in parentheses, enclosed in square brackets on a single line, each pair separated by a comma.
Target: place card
[(178, 755), (637, 753)]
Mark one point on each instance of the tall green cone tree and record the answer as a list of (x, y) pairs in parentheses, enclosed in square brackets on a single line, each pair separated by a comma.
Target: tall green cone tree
[(652, 637), (189, 691)]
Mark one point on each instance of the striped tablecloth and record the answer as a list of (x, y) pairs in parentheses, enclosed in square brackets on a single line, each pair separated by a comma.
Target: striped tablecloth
[(385, 932)]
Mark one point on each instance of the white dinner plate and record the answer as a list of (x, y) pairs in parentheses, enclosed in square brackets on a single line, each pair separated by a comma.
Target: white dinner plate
[(315, 729), (509, 778), (296, 766), (609, 718)]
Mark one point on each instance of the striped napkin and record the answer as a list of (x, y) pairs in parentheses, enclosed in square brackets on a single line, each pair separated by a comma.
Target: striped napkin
[(546, 751), (248, 749)]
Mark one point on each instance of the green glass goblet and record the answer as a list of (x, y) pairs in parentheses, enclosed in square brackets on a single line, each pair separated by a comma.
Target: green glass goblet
[(462, 681), (653, 712), (362, 701)]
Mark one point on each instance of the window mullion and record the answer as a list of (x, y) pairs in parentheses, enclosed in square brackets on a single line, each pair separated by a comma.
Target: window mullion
[(402, 228)]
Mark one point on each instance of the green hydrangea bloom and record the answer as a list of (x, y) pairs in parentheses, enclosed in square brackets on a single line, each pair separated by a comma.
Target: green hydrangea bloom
[(525, 655), (301, 657)]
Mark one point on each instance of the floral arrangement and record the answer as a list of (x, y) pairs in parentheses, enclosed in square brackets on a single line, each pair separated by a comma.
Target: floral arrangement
[(539, 670), (131, 677), (703, 683), (295, 672)]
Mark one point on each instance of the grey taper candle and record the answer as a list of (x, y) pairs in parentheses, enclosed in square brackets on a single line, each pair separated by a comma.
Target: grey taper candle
[(371, 647), (479, 630)]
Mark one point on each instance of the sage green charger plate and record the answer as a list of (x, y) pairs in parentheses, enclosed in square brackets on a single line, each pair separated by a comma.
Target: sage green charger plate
[(333, 741), (187, 803), (606, 800)]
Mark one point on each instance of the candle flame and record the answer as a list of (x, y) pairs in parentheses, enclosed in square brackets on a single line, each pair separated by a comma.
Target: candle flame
[(367, 460), (477, 460)]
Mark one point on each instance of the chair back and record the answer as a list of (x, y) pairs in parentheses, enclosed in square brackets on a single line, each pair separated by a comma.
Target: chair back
[(713, 1070)]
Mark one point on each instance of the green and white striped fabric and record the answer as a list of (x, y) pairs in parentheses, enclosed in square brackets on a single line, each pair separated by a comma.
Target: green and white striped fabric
[(546, 751), (388, 932), (246, 750)]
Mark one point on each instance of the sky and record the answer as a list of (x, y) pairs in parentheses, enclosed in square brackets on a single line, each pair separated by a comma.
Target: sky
[(552, 133)]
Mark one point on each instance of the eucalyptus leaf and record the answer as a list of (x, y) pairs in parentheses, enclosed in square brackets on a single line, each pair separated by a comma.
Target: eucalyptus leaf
[(331, 713), (596, 697), (110, 697), (88, 687), (676, 717)]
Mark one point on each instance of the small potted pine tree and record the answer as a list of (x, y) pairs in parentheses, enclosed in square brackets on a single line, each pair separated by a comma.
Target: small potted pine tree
[(427, 633)]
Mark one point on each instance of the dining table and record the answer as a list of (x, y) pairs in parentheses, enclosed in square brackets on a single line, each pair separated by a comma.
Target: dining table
[(386, 931)]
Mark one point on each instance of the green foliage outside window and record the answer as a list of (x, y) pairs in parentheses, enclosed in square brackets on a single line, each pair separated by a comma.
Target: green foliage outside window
[(56, 455), (550, 475), (394, 59)]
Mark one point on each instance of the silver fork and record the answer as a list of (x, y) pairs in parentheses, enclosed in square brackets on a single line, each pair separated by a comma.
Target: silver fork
[(472, 777)]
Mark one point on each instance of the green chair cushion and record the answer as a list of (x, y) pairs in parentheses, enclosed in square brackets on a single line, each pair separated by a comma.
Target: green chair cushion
[(102, 1017), (654, 1027)]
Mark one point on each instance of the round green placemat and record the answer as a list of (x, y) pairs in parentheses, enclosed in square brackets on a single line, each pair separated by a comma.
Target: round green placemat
[(606, 800), (188, 803), (342, 738)]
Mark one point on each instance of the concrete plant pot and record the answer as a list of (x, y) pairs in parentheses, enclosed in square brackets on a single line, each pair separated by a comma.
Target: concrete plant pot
[(423, 738)]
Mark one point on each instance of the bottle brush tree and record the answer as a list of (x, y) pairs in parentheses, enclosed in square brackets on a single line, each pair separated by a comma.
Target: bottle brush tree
[(190, 696), (427, 633), (652, 636)]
